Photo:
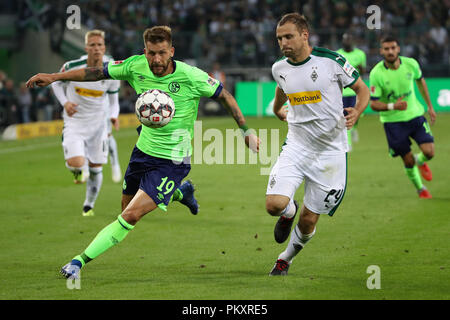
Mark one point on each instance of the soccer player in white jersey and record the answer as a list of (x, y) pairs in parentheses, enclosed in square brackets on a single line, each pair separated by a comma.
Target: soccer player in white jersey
[(87, 106), (111, 121), (315, 151)]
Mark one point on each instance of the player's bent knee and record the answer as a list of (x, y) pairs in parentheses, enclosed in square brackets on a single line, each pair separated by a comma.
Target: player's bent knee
[(131, 216), (429, 154), (275, 206), (76, 162)]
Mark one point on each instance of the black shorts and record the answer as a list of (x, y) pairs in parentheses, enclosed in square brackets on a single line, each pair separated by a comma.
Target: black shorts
[(398, 135), (157, 177)]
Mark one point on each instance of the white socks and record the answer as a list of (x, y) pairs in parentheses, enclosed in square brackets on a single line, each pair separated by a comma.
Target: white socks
[(289, 211), (93, 185), (296, 243)]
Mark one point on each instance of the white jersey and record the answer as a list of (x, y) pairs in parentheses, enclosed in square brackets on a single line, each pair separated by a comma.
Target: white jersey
[(91, 96), (314, 89)]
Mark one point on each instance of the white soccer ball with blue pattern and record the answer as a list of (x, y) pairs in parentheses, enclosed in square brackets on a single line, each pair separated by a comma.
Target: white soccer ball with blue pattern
[(154, 108)]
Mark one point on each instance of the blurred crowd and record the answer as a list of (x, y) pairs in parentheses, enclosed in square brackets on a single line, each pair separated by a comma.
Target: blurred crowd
[(242, 32), (236, 33), (19, 104)]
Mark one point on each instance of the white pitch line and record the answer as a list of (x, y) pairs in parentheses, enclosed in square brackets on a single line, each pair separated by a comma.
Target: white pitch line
[(29, 147)]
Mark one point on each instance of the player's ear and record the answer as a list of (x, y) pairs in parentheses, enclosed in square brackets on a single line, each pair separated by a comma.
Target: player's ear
[(305, 34), (172, 52)]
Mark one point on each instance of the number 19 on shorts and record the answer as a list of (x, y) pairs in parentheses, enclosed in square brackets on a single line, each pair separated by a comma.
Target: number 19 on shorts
[(165, 186)]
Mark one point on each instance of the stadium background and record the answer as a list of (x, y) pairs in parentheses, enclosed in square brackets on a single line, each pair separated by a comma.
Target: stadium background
[(237, 34), (226, 251)]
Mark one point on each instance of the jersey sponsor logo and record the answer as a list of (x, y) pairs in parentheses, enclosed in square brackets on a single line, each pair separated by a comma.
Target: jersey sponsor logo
[(393, 97), (372, 89), (306, 97), (88, 92), (117, 62)]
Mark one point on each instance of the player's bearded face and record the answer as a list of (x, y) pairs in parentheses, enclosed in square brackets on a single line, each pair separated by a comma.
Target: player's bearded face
[(390, 51), (159, 56)]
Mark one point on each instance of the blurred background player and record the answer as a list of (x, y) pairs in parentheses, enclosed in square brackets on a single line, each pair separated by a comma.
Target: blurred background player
[(218, 74), (161, 157), (315, 151), (87, 105), (357, 58), (392, 94), (116, 172), (111, 121)]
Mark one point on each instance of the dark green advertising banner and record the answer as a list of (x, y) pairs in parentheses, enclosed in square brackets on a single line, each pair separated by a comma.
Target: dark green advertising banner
[(256, 98)]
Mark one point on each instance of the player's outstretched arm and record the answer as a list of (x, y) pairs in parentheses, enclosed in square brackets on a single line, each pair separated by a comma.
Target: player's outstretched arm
[(230, 103), (362, 100), (85, 74)]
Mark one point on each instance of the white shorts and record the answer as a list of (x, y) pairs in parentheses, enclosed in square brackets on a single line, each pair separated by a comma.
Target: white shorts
[(325, 178), (89, 140)]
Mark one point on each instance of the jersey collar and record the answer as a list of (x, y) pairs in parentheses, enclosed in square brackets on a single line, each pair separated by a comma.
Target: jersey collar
[(174, 65), (384, 63), (299, 63)]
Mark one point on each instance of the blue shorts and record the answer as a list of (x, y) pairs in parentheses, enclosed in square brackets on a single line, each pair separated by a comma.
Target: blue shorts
[(157, 177), (398, 135), (349, 102)]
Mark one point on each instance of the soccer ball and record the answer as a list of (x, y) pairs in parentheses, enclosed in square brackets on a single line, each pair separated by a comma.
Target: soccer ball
[(154, 108)]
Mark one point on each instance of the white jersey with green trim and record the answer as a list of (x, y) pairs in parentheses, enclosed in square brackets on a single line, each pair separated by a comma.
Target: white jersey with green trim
[(314, 89), (91, 96)]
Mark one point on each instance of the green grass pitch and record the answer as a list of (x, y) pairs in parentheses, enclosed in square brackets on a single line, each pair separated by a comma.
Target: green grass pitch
[(227, 250)]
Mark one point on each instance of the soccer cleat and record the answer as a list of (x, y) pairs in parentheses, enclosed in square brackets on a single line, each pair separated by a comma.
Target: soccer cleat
[(425, 172), (116, 174), (87, 211), (280, 268), (187, 189), (283, 226), (71, 270), (424, 194)]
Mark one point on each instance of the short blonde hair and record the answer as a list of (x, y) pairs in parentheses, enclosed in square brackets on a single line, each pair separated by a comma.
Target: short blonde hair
[(95, 32)]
